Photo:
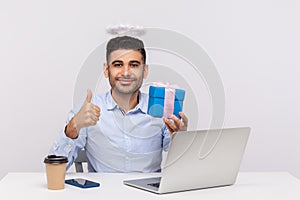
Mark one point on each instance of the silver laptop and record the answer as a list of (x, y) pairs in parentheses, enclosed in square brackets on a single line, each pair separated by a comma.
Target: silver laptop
[(199, 159)]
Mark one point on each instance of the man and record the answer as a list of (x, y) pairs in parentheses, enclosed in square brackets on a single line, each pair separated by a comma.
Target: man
[(114, 128)]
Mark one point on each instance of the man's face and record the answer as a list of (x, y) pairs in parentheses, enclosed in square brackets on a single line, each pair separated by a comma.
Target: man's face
[(125, 70)]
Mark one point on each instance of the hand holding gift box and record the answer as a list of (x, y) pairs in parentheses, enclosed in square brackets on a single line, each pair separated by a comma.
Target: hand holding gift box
[(165, 101)]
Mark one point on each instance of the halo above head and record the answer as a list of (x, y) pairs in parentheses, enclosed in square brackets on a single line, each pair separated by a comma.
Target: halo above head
[(129, 30)]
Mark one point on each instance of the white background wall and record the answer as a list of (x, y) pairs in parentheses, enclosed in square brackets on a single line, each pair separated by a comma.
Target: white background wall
[(254, 44)]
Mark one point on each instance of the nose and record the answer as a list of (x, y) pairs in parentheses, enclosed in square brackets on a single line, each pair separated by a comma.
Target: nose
[(126, 70)]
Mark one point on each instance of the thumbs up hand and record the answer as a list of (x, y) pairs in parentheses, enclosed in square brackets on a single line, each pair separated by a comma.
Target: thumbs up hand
[(88, 115)]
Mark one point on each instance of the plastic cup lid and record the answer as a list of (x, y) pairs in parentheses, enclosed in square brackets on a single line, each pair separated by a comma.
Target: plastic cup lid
[(53, 159)]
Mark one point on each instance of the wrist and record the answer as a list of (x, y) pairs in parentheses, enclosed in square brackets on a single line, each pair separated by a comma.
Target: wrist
[(72, 129)]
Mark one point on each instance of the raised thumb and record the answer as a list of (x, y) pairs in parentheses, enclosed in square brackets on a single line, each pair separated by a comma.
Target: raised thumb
[(89, 96)]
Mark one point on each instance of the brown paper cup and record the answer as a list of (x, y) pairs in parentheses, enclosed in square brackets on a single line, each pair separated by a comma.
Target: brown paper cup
[(56, 171)]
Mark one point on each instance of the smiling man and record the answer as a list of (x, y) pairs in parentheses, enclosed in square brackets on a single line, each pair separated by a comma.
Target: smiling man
[(114, 128)]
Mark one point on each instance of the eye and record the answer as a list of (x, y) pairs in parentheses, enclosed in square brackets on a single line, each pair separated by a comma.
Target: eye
[(117, 65), (134, 65)]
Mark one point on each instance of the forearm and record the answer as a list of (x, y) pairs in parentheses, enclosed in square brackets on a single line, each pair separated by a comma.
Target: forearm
[(70, 140)]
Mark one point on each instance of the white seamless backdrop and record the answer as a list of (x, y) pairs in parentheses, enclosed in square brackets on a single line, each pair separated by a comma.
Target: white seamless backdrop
[(254, 44)]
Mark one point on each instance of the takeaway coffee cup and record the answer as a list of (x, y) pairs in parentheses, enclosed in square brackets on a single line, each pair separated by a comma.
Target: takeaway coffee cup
[(56, 171)]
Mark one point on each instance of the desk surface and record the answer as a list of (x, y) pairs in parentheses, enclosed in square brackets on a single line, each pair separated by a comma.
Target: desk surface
[(250, 185)]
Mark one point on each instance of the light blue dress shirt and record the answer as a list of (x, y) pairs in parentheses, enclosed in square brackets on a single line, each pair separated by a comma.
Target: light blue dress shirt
[(119, 142)]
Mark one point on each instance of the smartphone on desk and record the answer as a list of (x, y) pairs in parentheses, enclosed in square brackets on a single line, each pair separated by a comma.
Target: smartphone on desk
[(82, 183)]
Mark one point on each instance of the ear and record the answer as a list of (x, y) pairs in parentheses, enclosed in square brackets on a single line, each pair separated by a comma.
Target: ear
[(145, 71), (105, 70)]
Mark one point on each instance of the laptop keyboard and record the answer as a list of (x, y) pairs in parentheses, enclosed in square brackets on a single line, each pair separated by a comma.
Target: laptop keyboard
[(154, 185)]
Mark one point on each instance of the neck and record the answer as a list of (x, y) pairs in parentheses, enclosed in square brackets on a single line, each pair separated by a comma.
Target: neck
[(125, 101)]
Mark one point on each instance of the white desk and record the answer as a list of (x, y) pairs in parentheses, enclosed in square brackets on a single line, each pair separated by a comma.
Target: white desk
[(254, 186)]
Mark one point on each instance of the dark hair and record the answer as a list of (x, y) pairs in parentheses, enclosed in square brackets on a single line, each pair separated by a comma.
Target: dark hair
[(125, 42)]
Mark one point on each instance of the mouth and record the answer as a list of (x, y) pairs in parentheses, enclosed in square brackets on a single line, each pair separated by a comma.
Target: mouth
[(125, 81)]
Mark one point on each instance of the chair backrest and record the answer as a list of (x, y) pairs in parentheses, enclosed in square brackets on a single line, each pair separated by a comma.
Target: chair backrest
[(81, 158)]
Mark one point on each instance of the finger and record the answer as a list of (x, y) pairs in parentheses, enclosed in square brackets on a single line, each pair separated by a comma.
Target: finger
[(96, 111), (184, 118), (171, 125), (97, 108), (89, 96), (170, 130), (177, 121), (97, 114), (96, 119), (92, 114), (93, 121), (168, 127)]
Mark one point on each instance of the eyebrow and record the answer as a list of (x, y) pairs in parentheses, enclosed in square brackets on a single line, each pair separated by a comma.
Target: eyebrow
[(131, 61), (117, 61), (135, 61)]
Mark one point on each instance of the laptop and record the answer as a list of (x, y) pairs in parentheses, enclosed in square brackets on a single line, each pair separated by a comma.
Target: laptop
[(197, 160)]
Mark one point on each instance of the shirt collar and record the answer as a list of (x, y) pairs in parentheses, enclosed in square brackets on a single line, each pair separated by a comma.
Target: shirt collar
[(110, 102), (142, 105)]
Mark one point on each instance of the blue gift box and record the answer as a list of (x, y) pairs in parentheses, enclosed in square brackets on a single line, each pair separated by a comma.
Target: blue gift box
[(157, 99)]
